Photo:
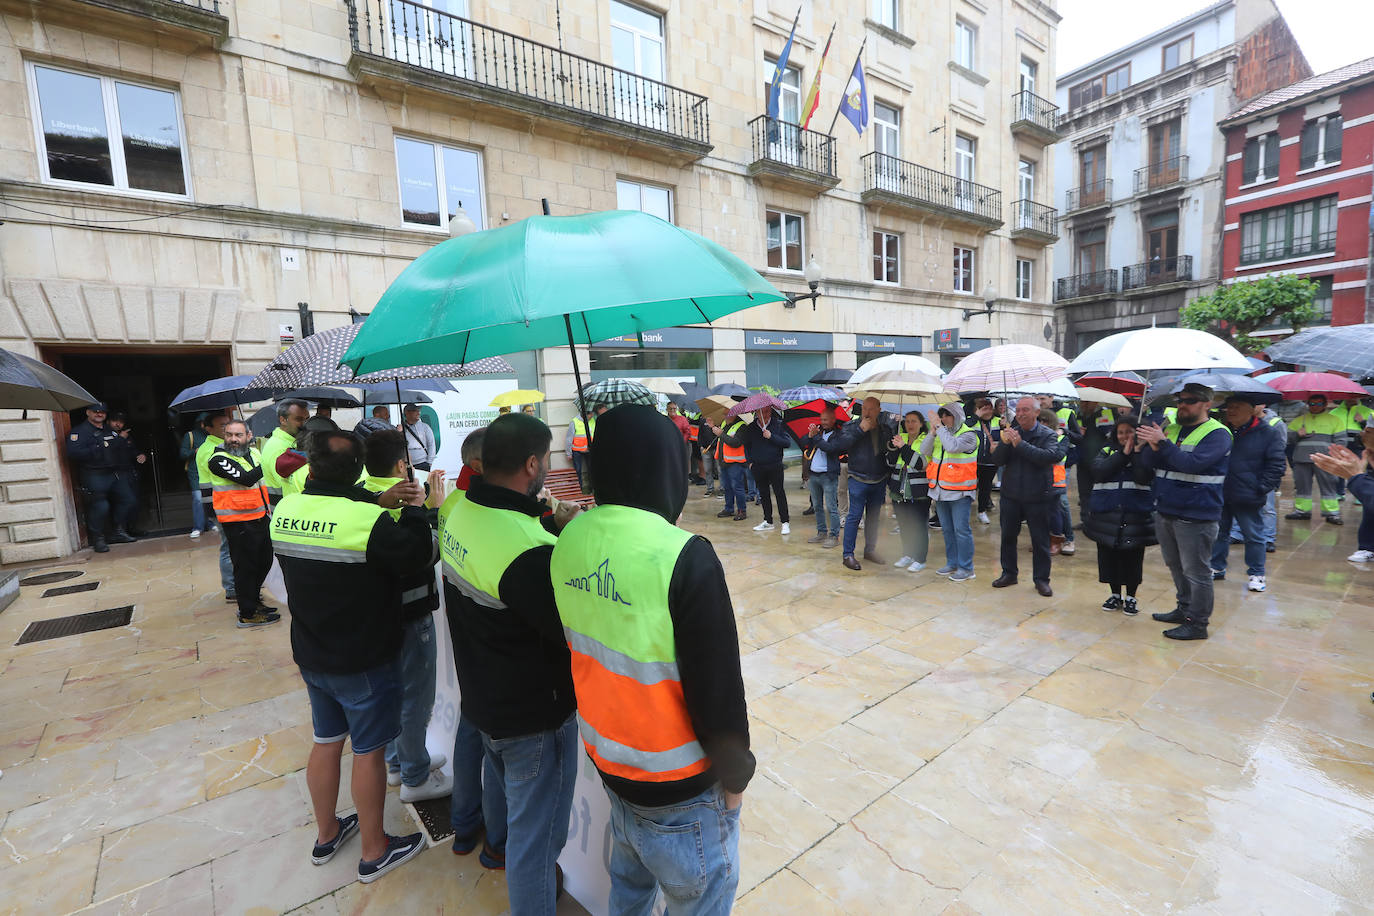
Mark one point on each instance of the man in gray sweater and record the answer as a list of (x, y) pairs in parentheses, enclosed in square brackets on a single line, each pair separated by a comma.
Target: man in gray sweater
[(951, 454)]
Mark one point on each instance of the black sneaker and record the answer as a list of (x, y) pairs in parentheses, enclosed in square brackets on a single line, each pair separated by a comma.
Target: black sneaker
[(323, 852), (1174, 616), (1129, 606), (810, 510), (725, 513), (257, 620), (1187, 631), (1113, 603), (398, 850)]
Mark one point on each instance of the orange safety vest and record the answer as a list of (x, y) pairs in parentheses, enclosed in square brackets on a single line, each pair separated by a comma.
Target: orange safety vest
[(582, 433), (732, 454), (234, 502), (1061, 471), (952, 470), (693, 432)]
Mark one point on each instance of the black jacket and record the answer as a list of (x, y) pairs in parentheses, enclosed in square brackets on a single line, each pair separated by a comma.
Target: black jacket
[(1120, 528), (94, 449), (1257, 464), (766, 452), (868, 450), (1028, 469), (635, 462)]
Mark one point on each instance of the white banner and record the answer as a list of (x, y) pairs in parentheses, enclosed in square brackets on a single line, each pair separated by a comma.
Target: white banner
[(462, 411)]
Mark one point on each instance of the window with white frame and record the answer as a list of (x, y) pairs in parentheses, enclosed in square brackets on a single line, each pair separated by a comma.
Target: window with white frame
[(789, 91), (98, 130), (784, 240), (435, 180), (885, 13), (646, 198), (963, 269), (887, 130), (887, 257), (965, 45), (637, 40), (1025, 275), (1321, 142)]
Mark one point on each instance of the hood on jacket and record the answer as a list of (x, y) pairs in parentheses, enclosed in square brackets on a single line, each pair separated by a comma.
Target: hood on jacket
[(956, 410), (638, 460)]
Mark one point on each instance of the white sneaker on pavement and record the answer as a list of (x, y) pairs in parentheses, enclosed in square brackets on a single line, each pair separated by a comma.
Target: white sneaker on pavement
[(1361, 556), (903, 563), (195, 534), (983, 517), (1256, 584), (436, 785), (764, 526), (786, 528), (913, 566)]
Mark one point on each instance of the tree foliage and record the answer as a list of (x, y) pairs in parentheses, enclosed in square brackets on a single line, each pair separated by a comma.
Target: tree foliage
[(1236, 311)]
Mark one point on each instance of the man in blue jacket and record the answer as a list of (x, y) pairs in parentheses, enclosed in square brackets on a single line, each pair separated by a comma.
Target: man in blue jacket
[(764, 442), (1255, 471), (1189, 457)]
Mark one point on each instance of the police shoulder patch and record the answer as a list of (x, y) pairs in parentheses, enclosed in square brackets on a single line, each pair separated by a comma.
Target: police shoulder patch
[(75, 437)]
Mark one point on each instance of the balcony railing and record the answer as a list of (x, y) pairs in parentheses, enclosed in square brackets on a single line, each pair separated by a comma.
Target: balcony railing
[(1095, 194), (792, 146), (523, 74), (1097, 283), (1161, 174), (1157, 272), (201, 21), (1032, 218), (210, 6), (1030, 112), (927, 189)]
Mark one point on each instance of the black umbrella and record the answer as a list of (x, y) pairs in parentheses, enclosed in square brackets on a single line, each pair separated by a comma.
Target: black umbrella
[(1222, 383), (27, 384), (831, 377), (263, 421), (217, 394), (731, 390), (382, 393), (323, 396)]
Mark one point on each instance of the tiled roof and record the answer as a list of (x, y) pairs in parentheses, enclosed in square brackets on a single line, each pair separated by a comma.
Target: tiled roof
[(1310, 86)]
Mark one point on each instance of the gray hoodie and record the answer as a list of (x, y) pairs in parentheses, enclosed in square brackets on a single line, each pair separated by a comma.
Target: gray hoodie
[(959, 439)]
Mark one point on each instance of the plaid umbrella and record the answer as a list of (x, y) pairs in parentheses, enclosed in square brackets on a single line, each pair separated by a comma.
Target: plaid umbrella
[(813, 393), (753, 403), (613, 391), (1349, 348), (315, 361)]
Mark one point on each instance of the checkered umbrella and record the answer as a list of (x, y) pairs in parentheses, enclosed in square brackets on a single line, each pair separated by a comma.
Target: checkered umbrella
[(1349, 348), (613, 391), (804, 393), (753, 403), (315, 361)]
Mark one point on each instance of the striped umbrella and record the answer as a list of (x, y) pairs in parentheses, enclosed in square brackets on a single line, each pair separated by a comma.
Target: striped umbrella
[(1008, 367)]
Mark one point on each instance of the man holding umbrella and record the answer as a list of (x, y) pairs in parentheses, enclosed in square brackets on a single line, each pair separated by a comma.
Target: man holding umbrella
[(1189, 458), (1255, 471)]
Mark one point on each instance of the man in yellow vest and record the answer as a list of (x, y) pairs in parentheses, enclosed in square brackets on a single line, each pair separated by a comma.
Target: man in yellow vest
[(342, 557), (661, 707), (213, 427), (578, 441), (291, 416), (1027, 454), (1314, 431), (240, 502), (510, 654)]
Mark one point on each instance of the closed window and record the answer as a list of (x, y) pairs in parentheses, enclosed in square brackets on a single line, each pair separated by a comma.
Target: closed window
[(1177, 53), (965, 45), (887, 130), (885, 13), (1025, 180), (1322, 300), (1260, 159), (1024, 278), (887, 256), (646, 198), (1290, 231), (1098, 87), (97, 130), (784, 240), (637, 40), (963, 269), (789, 91), (435, 180), (1092, 250), (1321, 142)]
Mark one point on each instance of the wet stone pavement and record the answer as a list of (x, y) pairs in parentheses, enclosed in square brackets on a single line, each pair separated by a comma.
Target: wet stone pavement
[(923, 746)]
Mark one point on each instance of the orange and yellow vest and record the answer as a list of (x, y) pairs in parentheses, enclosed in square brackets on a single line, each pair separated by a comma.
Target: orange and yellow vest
[(952, 470), (732, 454), (583, 433), (236, 502)]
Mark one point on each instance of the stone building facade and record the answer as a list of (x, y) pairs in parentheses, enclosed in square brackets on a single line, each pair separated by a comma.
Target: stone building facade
[(186, 183)]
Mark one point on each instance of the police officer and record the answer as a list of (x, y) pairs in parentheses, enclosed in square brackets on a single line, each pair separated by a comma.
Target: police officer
[(128, 459), (241, 503), (95, 449)]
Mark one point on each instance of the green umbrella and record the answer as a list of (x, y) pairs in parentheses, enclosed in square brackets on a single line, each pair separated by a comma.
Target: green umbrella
[(550, 280)]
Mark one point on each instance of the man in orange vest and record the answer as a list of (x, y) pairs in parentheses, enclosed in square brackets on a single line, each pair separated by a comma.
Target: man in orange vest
[(951, 456), (240, 500), (1027, 455)]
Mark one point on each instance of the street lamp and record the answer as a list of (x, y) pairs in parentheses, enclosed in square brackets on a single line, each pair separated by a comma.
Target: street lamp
[(461, 224), (989, 300), (813, 279)]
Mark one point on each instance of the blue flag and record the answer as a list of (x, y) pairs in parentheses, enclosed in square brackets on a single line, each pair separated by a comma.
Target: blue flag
[(775, 85), (854, 105)]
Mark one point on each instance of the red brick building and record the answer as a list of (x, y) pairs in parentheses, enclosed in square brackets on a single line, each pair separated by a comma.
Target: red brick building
[(1299, 175)]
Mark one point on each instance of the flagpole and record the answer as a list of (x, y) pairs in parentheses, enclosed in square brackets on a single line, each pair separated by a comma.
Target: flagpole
[(781, 62), (815, 96), (857, 57)]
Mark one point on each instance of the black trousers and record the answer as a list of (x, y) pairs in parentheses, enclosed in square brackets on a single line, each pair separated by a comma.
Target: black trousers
[(987, 473), (1121, 567), (250, 550), (105, 493), (1036, 515), (766, 476)]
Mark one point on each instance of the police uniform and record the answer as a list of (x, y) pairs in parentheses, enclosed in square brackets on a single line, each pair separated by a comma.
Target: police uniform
[(96, 451)]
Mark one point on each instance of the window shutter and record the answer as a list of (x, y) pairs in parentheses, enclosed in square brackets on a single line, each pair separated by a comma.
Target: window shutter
[(1308, 155), (1250, 162), (1271, 156)]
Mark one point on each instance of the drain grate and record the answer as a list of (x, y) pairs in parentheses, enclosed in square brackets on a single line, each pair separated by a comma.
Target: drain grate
[(433, 815), (56, 627), (50, 578), (71, 589)]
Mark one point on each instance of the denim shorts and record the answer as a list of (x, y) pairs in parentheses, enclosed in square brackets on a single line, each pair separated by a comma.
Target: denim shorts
[(365, 706)]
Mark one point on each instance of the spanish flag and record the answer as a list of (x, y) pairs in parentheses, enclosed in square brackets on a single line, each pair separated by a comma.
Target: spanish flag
[(813, 98)]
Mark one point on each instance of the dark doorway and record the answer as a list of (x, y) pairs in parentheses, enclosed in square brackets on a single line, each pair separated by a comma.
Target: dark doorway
[(141, 382)]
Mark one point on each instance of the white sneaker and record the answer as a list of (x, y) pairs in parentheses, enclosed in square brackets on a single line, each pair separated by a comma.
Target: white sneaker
[(195, 533), (393, 777), (1256, 584), (913, 566), (764, 526), (786, 527), (1361, 556), (903, 563), (436, 785), (983, 517)]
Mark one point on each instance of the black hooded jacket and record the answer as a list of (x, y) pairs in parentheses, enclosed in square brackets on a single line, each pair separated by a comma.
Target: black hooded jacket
[(638, 461)]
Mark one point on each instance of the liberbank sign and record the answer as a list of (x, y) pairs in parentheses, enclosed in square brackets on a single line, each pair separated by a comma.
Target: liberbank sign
[(794, 341)]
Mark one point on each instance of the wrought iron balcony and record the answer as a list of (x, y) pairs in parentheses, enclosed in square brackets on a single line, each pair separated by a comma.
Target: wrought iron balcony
[(1157, 272), (401, 41), (895, 182), (1034, 222), (792, 156), (1089, 196), (201, 21), (1080, 286), (1034, 117), (1160, 175)]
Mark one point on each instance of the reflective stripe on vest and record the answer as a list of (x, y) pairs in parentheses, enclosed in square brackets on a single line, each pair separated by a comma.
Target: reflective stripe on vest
[(912, 480), (611, 569), (953, 470), (1063, 414), (236, 502), (583, 432), (275, 446), (203, 453), (1187, 444), (1122, 485), (331, 529), (478, 543), (732, 454)]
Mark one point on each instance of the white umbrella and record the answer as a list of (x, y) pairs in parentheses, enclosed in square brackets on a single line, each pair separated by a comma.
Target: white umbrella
[(1159, 349), (895, 362), (1009, 367), (664, 386), (1060, 388), (1102, 396), (899, 384)]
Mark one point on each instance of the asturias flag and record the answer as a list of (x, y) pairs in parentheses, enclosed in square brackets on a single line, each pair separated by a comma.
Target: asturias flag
[(854, 105), (775, 85), (813, 98)]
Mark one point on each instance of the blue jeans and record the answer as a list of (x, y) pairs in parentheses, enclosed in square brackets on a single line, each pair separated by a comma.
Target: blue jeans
[(1270, 514), (365, 706), (538, 772), (825, 498), (478, 795), (1251, 522), (578, 460), (732, 480), (1064, 516), (226, 565), (197, 507), (956, 529), (408, 752), (866, 501), (691, 850)]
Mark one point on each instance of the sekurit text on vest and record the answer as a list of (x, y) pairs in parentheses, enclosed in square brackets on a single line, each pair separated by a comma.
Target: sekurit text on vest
[(451, 545), (304, 526), (599, 582)]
